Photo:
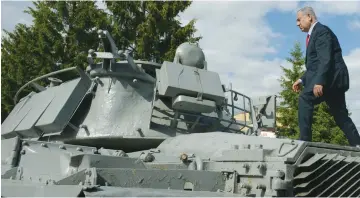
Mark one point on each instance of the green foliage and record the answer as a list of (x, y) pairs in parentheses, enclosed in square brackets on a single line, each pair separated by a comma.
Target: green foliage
[(324, 128), (17, 64), (150, 28), (64, 31)]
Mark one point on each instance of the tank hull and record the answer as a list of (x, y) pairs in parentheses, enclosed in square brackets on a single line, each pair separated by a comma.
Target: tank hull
[(204, 164)]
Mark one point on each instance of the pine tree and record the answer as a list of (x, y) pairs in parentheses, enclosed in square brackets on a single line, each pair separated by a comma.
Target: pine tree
[(66, 30), (288, 109), (150, 28), (324, 128), (17, 64)]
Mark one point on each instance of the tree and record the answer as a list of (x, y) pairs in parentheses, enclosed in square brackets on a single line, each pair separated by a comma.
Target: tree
[(324, 128), (150, 28), (64, 31), (17, 64)]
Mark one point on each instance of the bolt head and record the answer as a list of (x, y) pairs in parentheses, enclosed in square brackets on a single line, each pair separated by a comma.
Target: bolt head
[(183, 157), (280, 173), (149, 158)]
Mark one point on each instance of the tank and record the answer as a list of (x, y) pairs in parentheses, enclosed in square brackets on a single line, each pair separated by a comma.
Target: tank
[(125, 127)]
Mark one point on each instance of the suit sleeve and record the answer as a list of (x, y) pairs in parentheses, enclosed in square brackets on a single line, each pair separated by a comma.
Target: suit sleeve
[(323, 45), (303, 78)]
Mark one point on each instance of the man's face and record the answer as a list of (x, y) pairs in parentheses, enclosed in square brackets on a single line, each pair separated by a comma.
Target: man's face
[(303, 21)]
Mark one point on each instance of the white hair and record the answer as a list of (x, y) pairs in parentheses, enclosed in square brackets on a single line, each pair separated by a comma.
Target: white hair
[(308, 10)]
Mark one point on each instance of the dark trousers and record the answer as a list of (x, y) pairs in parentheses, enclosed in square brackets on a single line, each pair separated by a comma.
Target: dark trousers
[(337, 104)]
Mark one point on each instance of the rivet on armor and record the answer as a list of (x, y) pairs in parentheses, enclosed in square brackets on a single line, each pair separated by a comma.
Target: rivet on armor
[(95, 151), (183, 157), (147, 157), (246, 166), (261, 186), (247, 186), (280, 173), (261, 166)]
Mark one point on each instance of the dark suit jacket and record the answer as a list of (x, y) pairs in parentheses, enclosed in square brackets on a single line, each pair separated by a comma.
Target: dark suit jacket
[(324, 62)]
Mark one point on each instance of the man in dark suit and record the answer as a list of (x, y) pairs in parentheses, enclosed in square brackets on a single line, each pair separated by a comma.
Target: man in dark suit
[(326, 77)]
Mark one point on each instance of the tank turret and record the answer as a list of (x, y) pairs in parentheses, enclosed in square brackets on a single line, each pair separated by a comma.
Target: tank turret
[(121, 101), (126, 127)]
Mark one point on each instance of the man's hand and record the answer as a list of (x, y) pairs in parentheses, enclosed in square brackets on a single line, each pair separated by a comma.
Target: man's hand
[(296, 86), (318, 90)]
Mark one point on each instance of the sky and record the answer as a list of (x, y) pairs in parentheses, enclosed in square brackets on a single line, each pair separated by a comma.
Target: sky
[(247, 42)]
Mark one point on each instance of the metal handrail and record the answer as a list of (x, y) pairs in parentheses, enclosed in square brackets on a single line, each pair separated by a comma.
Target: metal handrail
[(231, 121), (42, 77), (239, 108)]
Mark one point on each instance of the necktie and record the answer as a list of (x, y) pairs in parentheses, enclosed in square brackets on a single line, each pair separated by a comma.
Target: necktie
[(307, 40)]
